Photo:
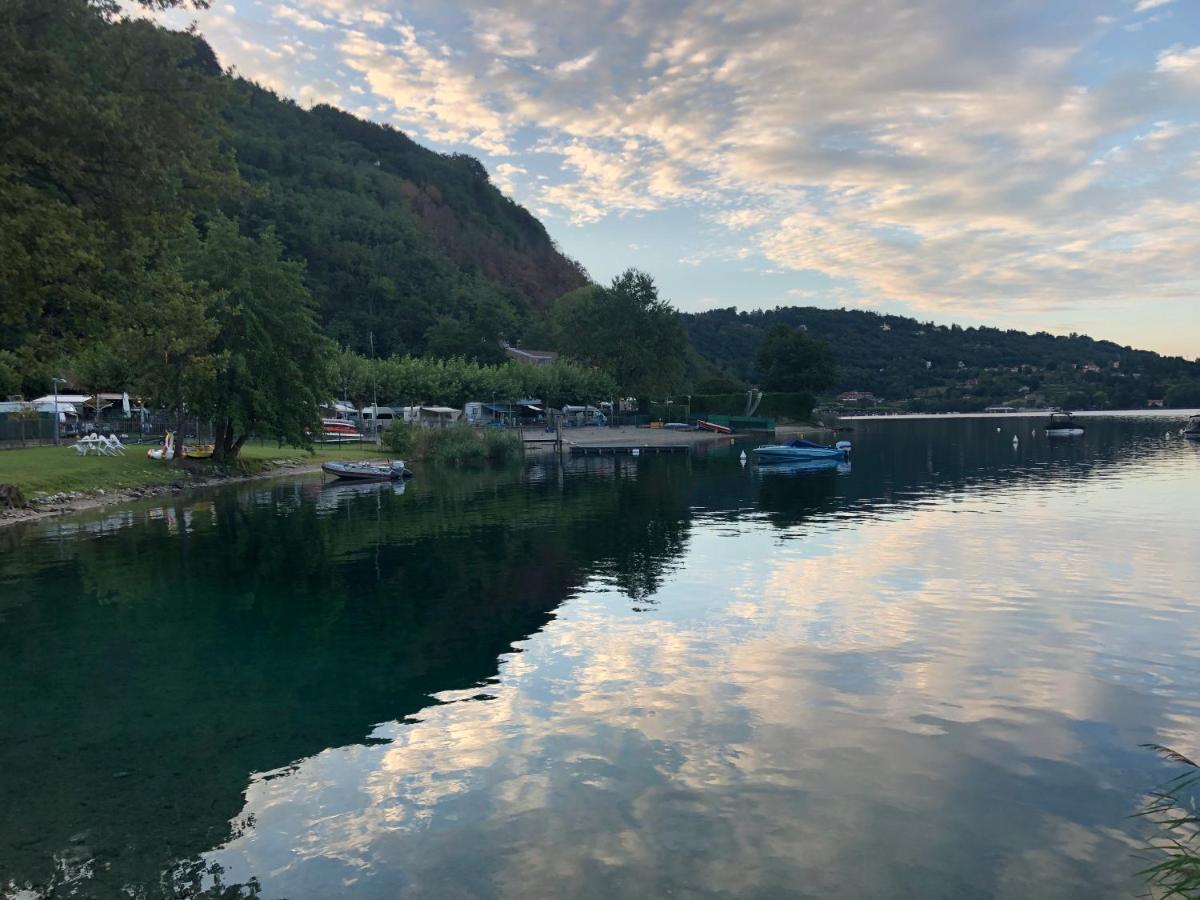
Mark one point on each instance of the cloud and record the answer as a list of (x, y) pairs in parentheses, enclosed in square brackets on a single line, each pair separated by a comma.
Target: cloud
[(948, 155), (297, 17)]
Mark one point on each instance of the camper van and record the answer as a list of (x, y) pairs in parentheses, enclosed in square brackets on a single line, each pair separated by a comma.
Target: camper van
[(377, 418), (583, 415)]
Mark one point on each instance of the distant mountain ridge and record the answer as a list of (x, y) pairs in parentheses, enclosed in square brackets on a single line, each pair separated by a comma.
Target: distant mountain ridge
[(939, 367)]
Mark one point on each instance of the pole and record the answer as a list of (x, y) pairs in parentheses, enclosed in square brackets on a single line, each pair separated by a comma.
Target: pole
[(56, 439), (374, 394)]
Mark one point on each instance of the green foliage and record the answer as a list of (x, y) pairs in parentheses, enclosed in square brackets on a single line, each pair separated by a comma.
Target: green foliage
[(112, 142), (626, 330), (455, 444), (270, 369), (789, 360), (917, 363), (417, 248), (413, 381), (1185, 395)]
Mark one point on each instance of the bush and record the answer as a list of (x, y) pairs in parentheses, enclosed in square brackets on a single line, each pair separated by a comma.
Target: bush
[(457, 444)]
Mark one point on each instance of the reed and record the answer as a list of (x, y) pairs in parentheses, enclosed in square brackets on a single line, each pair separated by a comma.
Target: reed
[(1173, 853)]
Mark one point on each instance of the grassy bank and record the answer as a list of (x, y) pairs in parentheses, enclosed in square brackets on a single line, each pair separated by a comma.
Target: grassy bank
[(48, 470)]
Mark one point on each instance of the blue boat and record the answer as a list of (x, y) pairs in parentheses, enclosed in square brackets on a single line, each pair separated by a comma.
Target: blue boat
[(802, 450)]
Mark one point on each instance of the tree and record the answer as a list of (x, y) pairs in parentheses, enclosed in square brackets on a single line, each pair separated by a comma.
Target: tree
[(790, 361), (1185, 395), (265, 369), (626, 330)]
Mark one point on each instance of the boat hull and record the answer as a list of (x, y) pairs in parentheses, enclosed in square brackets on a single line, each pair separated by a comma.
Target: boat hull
[(1064, 432), (798, 454), (356, 471), (714, 427)]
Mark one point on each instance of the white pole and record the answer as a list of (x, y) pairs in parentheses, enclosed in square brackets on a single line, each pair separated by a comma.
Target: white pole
[(56, 439)]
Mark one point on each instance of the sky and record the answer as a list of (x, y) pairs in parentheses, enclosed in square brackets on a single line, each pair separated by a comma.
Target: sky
[(1032, 164)]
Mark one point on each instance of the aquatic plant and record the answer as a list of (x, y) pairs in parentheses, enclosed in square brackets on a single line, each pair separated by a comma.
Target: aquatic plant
[(454, 444), (1174, 851)]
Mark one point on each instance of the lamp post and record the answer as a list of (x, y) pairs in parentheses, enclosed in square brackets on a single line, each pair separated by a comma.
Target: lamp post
[(57, 381)]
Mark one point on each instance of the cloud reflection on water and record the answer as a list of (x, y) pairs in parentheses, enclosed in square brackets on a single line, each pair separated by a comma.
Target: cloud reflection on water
[(935, 701)]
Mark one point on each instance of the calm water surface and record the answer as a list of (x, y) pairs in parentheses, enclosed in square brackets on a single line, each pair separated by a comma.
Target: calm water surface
[(927, 676)]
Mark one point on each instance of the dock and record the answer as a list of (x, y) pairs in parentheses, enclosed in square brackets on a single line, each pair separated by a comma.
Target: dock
[(635, 450)]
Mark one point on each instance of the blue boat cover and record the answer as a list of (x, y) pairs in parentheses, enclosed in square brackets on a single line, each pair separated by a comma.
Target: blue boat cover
[(810, 444)]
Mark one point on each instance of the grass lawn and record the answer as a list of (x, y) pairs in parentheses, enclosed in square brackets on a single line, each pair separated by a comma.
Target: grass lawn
[(49, 470)]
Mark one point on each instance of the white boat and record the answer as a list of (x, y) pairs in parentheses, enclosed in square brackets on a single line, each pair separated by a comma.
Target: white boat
[(1192, 430), (796, 450), (1062, 424)]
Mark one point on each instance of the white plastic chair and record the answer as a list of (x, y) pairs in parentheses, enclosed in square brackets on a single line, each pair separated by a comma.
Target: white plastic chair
[(113, 445)]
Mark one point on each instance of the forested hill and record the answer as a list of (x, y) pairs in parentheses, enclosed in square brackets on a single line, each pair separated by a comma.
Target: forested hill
[(937, 367), (416, 246), (125, 141)]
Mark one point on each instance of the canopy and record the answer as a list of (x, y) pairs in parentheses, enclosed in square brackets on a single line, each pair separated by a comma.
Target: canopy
[(63, 398)]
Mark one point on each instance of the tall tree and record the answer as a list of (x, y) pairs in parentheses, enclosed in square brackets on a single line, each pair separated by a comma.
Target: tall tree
[(789, 360), (267, 367), (627, 330)]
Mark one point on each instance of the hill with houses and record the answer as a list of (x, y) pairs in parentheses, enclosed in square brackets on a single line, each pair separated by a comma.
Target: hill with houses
[(919, 366)]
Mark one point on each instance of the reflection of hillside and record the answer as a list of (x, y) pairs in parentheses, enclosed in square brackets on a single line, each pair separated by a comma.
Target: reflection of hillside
[(155, 659), (901, 463)]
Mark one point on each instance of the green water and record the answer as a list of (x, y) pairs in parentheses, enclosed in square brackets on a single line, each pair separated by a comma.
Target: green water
[(926, 676)]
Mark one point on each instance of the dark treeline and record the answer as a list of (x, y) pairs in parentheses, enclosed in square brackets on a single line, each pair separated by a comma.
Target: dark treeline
[(944, 368)]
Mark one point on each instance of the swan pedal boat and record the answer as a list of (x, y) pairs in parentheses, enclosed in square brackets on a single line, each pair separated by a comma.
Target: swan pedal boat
[(802, 450)]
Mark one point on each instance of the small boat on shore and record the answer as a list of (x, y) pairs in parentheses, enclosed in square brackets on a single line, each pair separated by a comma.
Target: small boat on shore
[(338, 431), (1062, 424), (367, 471), (1192, 430), (713, 426), (796, 450)]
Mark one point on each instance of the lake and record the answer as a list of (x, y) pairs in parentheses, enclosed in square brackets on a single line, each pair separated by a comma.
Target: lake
[(926, 676)]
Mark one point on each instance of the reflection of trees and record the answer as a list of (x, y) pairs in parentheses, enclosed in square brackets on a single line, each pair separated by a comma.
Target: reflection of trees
[(146, 671)]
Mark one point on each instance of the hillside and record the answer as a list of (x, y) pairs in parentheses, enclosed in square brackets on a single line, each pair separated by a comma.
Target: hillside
[(129, 140), (930, 367), (396, 237)]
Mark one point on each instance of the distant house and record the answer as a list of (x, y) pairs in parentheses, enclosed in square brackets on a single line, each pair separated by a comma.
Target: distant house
[(971, 382), (857, 397), (1156, 403), (885, 327), (1091, 367), (531, 357)]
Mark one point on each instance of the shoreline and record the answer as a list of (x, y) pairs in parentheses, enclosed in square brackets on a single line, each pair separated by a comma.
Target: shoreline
[(65, 503), (69, 502)]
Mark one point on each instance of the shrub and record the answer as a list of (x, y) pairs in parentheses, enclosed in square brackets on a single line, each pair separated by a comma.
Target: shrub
[(457, 444)]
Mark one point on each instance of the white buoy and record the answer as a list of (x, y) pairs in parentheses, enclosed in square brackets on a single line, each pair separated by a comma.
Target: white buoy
[(997, 429), (637, 451), (1016, 440), (743, 456)]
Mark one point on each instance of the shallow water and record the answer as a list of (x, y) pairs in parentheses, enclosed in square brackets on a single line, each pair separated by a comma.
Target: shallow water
[(926, 676)]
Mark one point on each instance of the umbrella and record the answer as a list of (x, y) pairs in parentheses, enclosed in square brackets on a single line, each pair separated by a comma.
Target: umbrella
[(125, 404)]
